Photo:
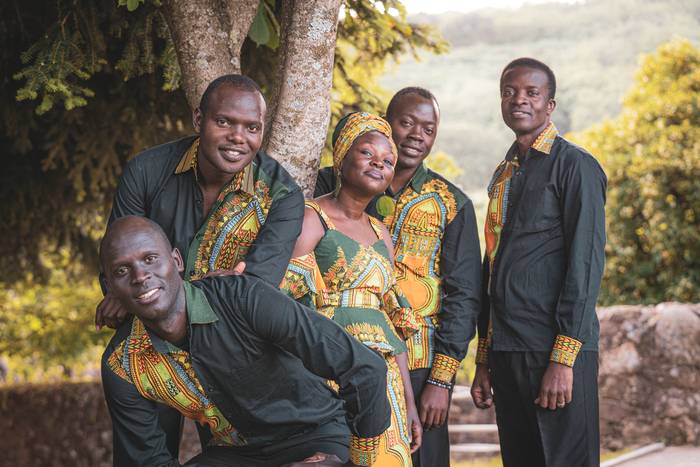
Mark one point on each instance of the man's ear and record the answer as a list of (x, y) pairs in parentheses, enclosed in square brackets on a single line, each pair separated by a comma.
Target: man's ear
[(177, 257), (551, 105), (197, 119)]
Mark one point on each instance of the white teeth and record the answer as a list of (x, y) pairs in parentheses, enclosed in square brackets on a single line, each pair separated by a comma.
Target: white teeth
[(148, 294)]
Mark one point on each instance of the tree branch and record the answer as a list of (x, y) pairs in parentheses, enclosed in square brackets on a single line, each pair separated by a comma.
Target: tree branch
[(299, 110), (208, 43)]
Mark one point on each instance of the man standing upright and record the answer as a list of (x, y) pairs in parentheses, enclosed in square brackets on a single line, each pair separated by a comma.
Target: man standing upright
[(545, 239), (437, 260)]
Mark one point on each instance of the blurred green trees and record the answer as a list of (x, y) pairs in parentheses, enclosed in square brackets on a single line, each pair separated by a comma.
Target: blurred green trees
[(86, 84), (651, 153)]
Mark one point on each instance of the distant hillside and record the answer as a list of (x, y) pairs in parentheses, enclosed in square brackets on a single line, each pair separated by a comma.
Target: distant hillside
[(592, 47)]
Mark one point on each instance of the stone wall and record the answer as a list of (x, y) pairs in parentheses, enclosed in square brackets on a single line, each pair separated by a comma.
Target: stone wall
[(649, 391), (650, 374)]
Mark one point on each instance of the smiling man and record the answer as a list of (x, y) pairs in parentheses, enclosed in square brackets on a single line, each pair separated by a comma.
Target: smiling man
[(222, 202), (545, 241), (220, 199), (234, 354), (437, 260)]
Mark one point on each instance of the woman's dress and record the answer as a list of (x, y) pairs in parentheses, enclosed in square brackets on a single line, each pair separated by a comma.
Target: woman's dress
[(354, 284)]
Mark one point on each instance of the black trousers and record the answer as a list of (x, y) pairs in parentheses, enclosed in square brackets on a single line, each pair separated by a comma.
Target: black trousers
[(531, 436), (435, 449), (332, 437)]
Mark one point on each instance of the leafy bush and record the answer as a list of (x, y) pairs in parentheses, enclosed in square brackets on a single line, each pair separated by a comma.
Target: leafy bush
[(651, 153)]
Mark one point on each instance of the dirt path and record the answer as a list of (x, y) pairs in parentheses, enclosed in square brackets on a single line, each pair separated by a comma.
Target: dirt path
[(673, 456)]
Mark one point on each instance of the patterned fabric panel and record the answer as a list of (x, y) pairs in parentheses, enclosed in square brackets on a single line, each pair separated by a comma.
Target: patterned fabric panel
[(232, 228), (357, 287), (393, 447), (171, 380), (417, 227), (303, 282), (565, 350)]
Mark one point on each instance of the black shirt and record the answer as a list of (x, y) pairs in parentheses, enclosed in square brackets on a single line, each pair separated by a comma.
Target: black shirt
[(263, 359), (549, 262)]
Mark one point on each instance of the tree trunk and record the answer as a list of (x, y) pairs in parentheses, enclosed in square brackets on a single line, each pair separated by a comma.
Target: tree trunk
[(299, 110), (208, 36)]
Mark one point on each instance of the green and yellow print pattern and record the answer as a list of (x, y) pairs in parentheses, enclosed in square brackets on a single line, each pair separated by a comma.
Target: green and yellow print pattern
[(171, 380), (355, 285), (417, 226)]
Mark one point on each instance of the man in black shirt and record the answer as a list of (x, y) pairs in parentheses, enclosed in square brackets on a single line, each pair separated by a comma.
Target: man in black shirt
[(545, 239), (233, 353), (222, 202)]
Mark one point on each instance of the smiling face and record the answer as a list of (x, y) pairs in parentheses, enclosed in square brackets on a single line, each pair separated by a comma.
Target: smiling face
[(231, 131), (414, 124), (369, 164), (525, 103), (142, 271)]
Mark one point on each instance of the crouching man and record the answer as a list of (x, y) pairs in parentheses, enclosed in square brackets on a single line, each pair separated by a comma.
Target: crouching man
[(234, 354)]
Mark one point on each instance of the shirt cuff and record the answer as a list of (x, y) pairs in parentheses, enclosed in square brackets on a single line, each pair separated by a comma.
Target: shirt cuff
[(565, 350), (444, 369), (363, 451), (482, 351)]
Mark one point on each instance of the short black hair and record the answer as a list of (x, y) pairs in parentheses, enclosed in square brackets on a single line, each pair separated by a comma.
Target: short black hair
[(528, 62), (116, 225), (422, 92), (237, 81)]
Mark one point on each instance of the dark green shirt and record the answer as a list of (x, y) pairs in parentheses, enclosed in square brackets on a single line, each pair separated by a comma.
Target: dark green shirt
[(154, 186), (549, 262), (263, 359)]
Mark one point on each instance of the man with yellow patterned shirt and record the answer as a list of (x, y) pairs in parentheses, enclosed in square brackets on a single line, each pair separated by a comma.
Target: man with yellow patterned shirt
[(545, 242), (224, 203), (234, 354), (437, 259)]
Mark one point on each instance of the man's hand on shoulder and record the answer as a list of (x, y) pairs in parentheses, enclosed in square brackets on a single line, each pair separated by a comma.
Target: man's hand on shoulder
[(110, 313), (434, 402), (481, 387), (557, 386)]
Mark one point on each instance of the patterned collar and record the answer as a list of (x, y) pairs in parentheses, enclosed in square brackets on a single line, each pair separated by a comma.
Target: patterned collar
[(198, 312), (243, 180), (542, 144)]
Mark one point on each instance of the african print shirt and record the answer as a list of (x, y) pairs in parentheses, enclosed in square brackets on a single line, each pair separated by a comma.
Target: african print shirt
[(438, 265), (252, 370), (545, 239), (256, 217)]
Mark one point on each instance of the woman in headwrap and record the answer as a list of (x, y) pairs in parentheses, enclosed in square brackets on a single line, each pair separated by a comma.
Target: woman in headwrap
[(342, 265)]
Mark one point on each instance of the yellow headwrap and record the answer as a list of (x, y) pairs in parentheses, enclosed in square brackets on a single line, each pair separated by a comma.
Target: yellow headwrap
[(351, 127)]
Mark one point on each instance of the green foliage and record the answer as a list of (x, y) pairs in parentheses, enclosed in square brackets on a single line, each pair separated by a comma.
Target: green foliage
[(94, 84), (42, 325), (587, 44), (58, 62), (445, 165), (265, 29), (651, 153)]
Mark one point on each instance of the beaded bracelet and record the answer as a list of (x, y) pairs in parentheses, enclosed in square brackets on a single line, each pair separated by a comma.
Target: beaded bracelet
[(440, 384)]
